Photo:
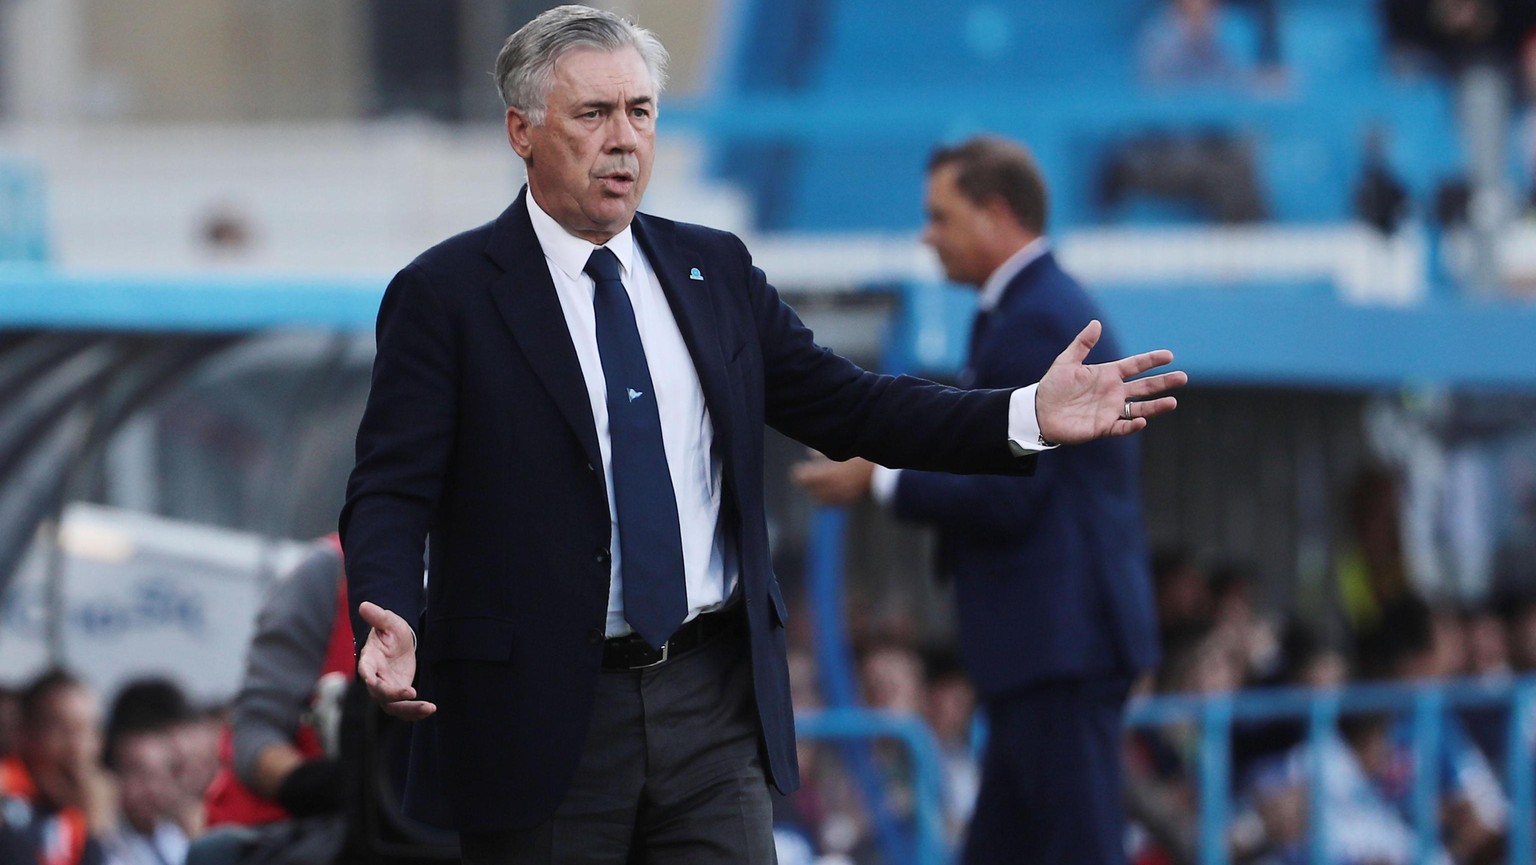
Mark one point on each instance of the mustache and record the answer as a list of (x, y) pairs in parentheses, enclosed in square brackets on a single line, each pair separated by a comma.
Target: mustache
[(630, 167)]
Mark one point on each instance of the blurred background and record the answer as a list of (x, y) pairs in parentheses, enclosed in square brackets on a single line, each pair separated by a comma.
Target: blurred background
[(1324, 207)]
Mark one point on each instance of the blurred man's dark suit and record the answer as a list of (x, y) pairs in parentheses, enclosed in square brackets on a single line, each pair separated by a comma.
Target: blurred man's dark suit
[(1052, 593)]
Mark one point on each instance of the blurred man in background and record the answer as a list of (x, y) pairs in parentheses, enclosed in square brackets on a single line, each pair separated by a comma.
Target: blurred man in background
[(56, 800), (1192, 46), (158, 705), (145, 763), (277, 764), (1051, 571)]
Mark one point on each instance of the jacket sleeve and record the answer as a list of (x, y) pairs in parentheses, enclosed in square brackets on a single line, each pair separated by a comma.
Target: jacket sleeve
[(991, 507), (820, 399), (293, 631), (404, 443)]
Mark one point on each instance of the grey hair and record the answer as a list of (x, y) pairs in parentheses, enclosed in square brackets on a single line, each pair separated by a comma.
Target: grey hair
[(525, 68)]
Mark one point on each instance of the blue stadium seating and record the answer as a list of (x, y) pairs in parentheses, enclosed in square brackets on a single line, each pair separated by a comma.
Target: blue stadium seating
[(870, 86)]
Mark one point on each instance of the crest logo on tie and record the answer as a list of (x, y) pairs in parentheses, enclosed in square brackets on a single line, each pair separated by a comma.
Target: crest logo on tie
[(634, 394), (694, 274)]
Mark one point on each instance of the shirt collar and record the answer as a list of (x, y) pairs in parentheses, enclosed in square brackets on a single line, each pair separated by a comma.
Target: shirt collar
[(992, 289), (570, 253)]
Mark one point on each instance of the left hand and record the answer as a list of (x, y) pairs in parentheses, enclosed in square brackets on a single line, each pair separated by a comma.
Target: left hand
[(1078, 402), (834, 483)]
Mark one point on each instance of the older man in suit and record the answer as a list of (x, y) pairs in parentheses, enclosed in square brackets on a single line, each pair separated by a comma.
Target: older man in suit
[(1050, 572), (570, 402)]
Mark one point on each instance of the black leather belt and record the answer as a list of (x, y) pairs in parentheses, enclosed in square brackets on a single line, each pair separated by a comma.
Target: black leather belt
[(630, 652)]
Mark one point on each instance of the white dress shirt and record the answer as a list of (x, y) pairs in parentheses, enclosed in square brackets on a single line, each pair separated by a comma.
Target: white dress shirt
[(687, 433), (166, 845)]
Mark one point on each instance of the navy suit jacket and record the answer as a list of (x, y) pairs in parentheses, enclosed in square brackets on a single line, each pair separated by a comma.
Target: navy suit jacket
[(478, 433), (1050, 571)]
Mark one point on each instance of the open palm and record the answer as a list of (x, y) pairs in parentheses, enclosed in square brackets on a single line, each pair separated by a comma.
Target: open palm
[(1078, 402), (387, 664)]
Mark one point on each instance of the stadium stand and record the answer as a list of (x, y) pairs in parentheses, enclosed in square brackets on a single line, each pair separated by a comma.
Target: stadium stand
[(230, 274)]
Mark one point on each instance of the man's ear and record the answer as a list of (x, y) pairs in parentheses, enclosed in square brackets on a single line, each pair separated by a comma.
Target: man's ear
[(998, 212), (519, 132)]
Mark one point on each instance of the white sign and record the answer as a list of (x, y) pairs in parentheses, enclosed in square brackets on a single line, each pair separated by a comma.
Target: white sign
[(141, 595)]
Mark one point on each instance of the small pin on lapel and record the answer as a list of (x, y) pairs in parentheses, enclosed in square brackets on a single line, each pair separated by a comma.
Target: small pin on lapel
[(694, 274)]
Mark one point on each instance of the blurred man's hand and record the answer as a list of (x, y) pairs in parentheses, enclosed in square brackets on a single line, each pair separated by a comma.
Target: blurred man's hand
[(834, 483)]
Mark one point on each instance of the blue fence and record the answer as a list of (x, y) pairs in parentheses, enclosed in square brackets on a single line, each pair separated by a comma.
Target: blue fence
[(856, 726), (1428, 705)]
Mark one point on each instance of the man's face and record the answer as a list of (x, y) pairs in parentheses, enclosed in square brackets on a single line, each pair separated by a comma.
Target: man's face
[(147, 774), (63, 745), (196, 744), (590, 161), (957, 229)]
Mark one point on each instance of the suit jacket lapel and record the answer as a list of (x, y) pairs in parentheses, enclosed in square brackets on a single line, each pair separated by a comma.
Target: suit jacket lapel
[(693, 306), (525, 297)]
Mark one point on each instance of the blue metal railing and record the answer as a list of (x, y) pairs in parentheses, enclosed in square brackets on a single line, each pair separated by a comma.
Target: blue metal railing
[(1428, 704), (928, 845), (834, 661)]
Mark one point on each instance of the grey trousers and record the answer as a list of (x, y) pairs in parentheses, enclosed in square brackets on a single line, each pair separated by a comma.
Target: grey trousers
[(670, 773)]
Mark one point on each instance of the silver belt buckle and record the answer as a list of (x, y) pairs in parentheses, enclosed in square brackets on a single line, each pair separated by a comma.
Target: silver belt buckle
[(666, 649)]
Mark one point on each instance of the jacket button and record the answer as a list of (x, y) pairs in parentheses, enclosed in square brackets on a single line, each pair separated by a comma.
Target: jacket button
[(600, 556), (595, 636), (592, 468)]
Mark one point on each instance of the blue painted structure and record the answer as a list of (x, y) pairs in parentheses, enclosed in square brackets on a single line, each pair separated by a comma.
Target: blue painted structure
[(23, 228), (1428, 704), (857, 726), (1282, 336), (38, 296), (826, 111)]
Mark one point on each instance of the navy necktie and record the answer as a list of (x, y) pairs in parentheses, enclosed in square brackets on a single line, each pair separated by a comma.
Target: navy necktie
[(650, 543)]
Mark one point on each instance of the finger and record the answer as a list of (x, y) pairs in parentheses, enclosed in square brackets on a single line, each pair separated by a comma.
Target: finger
[(367, 666), (1127, 427), (379, 618), (1145, 387), (809, 473), (409, 710), (1086, 339), (1153, 407), (1137, 364), (384, 692)]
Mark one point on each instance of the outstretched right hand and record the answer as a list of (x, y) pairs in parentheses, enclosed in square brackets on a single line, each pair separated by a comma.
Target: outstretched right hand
[(387, 664)]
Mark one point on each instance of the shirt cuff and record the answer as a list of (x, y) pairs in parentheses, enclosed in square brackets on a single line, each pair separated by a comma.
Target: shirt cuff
[(1023, 426), (882, 485)]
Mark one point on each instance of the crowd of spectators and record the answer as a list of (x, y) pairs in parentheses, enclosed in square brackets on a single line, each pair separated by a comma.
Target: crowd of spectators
[(129, 785), (80, 787), (1217, 642), (1219, 637)]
